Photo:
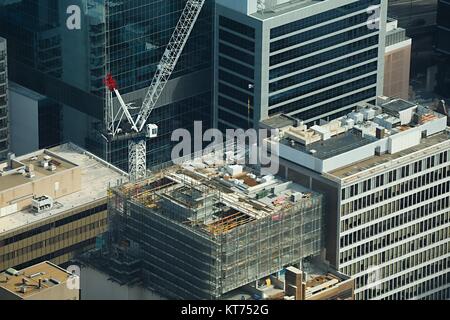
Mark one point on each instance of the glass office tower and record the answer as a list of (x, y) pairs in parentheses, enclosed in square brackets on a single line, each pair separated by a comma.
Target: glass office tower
[(310, 59), (127, 39)]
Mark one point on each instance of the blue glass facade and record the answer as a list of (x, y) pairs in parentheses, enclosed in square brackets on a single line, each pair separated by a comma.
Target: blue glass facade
[(138, 34), (236, 75), (316, 19), (307, 62), (125, 38), (443, 22), (317, 67)]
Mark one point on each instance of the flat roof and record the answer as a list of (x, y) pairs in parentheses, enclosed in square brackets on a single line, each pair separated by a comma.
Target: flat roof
[(96, 177), (221, 194), (50, 274), (398, 105), (326, 149), (284, 8), (339, 145), (9, 181), (279, 121), (408, 155)]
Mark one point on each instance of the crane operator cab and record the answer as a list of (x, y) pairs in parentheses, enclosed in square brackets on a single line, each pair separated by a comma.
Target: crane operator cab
[(152, 131)]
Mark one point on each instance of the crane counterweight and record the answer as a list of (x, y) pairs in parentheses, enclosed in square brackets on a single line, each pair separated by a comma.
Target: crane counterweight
[(110, 82)]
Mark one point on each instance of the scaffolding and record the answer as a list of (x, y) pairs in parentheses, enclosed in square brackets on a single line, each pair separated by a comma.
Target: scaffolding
[(196, 239)]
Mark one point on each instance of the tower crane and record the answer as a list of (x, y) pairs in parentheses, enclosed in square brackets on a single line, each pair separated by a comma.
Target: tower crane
[(137, 149)]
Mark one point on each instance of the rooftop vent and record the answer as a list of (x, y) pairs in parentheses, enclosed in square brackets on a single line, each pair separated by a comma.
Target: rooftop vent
[(11, 157), (12, 272), (37, 274), (44, 164), (30, 171)]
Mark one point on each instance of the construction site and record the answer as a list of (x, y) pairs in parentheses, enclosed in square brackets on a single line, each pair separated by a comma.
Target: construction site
[(205, 227)]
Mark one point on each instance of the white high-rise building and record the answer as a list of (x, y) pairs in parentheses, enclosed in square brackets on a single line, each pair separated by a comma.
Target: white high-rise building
[(385, 173), (309, 59)]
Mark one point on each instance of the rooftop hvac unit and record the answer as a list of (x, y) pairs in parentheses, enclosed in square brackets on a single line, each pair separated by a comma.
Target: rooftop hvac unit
[(30, 171), (350, 123), (368, 113), (235, 170), (356, 116), (42, 203), (296, 196), (12, 272)]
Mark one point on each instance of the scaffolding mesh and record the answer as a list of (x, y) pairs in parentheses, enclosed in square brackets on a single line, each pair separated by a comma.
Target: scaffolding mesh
[(193, 260)]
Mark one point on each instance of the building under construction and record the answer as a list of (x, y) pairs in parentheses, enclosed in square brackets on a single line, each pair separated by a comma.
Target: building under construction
[(203, 228)]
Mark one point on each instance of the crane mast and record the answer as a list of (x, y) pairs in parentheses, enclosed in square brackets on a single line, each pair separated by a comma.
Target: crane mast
[(137, 149)]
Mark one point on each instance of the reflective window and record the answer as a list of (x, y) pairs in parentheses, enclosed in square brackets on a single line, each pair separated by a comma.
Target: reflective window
[(322, 17)]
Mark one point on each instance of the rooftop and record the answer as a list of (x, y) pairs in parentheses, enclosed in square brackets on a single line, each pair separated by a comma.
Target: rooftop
[(216, 196), (378, 163), (326, 149), (316, 276), (398, 105), (9, 179), (279, 121), (96, 177), (363, 139), (284, 8), (25, 283)]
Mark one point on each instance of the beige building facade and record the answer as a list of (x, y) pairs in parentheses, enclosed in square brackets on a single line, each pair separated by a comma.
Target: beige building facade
[(53, 211), (397, 62)]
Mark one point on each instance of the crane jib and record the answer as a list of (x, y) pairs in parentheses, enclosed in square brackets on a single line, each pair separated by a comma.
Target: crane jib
[(137, 149), (169, 59)]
